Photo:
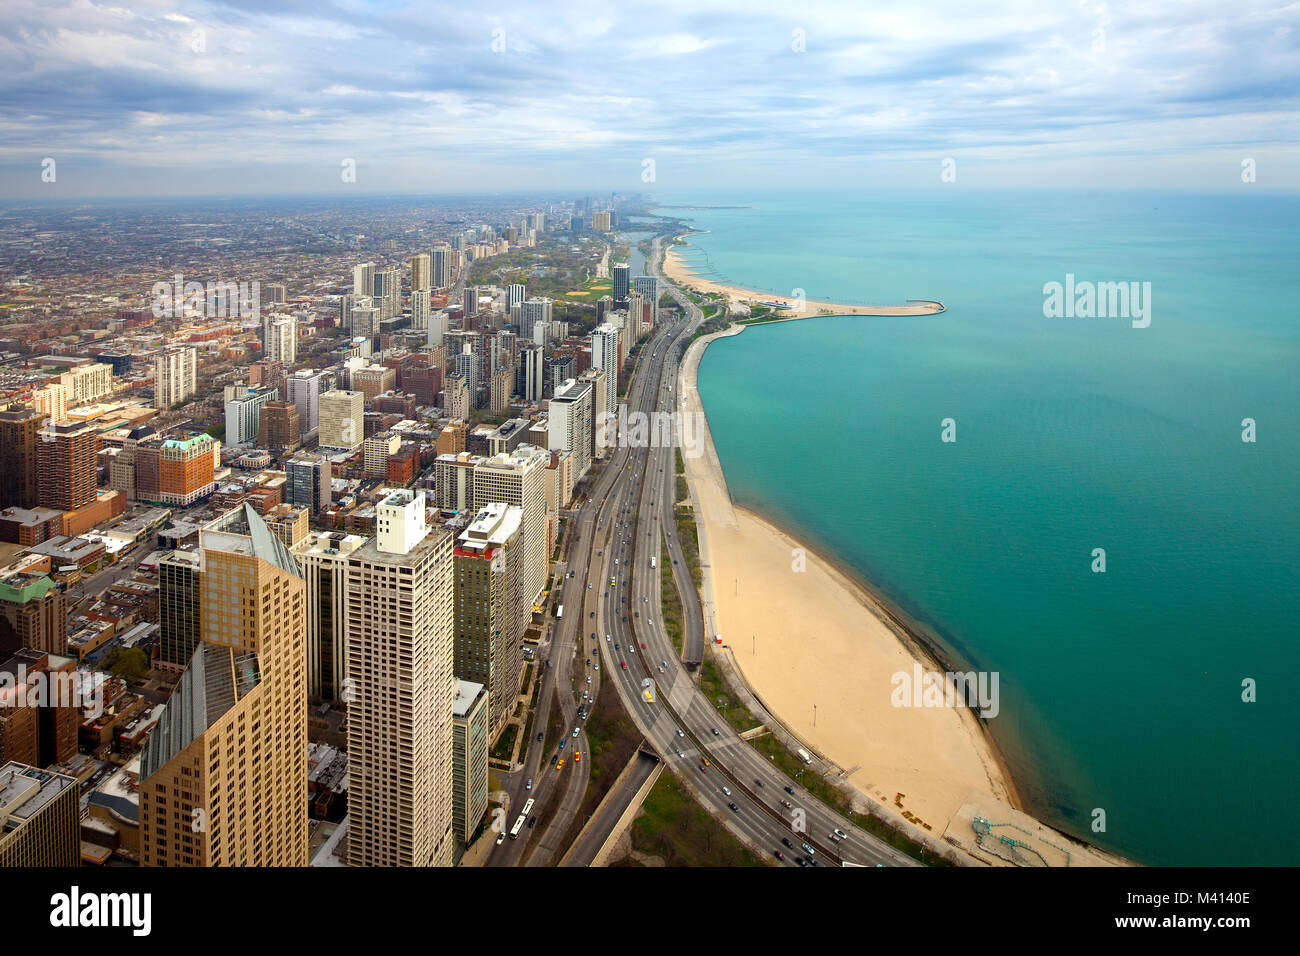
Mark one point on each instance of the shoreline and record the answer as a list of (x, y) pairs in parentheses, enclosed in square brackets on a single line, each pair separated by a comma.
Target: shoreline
[(947, 765), (676, 270)]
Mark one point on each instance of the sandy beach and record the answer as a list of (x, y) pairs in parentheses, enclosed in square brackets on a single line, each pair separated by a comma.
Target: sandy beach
[(814, 637), (676, 270)]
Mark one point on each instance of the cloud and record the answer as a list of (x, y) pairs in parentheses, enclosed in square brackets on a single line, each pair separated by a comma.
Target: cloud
[(594, 87)]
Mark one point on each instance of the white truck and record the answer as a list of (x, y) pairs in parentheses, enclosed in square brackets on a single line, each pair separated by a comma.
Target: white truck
[(804, 755)]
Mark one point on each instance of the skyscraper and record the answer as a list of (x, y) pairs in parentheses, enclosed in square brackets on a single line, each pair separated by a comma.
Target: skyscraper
[(420, 273), (178, 608), (307, 482), (65, 465), (440, 260), (620, 274), (281, 340), (531, 372), (40, 818), (514, 295), (519, 478), (489, 563), (323, 560), (342, 420), (363, 279), (223, 776), (604, 356), (303, 388), (469, 758), (570, 415), (18, 485), (402, 691), (244, 412), (420, 308), (175, 376), (387, 292)]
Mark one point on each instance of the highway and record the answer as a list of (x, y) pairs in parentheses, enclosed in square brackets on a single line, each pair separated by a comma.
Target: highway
[(627, 520)]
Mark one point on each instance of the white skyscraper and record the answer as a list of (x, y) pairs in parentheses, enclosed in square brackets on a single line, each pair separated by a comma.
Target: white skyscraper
[(281, 343), (519, 478), (420, 308), (570, 424), (175, 376), (604, 356), (402, 689), (363, 279), (303, 388)]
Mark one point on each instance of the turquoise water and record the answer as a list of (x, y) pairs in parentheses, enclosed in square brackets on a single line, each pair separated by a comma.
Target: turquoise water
[(1123, 690)]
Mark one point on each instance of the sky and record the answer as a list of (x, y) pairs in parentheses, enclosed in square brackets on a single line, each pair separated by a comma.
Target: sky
[(258, 97)]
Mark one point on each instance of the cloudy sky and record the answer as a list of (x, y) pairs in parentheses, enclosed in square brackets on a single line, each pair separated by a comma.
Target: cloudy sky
[(259, 96)]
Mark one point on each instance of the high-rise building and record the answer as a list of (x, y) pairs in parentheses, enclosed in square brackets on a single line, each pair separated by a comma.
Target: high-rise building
[(175, 376), (469, 758), (18, 485), (531, 372), (604, 356), (323, 560), (185, 470), (376, 451), (178, 608), (440, 260), (490, 617), (307, 483), (280, 340), (276, 293), (515, 293), (600, 221), (421, 308), (388, 292), (535, 313), (456, 397), (599, 411), (373, 381), (363, 279), (223, 776), (420, 276), (33, 613), (280, 427), (453, 481), (648, 287), (244, 411), (342, 420), (88, 383), (402, 690), (303, 388), (620, 273), (519, 478), (65, 465), (570, 425), (40, 818)]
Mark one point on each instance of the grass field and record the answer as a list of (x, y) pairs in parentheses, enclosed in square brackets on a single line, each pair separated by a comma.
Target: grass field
[(590, 292), (673, 827)]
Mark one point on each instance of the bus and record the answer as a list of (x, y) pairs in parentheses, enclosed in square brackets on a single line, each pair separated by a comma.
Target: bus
[(559, 612), (652, 564), (519, 825), (528, 806)]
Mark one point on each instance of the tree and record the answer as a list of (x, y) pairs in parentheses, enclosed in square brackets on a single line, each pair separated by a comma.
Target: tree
[(130, 664)]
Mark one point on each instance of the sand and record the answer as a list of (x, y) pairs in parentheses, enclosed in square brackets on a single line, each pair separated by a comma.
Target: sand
[(815, 638), (676, 270)]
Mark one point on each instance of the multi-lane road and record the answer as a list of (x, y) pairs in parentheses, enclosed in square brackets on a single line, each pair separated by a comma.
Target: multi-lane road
[(627, 521)]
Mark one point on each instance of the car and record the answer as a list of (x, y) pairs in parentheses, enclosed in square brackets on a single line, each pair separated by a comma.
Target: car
[(562, 743), (809, 850), (529, 784), (539, 737), (575, 731), (593, 614), (787, 804), (588, 585), (840, 833), (812, 861), (616, 647), (680, 752), (778, 854), (733, 807), (643, 645), (790, 790), (645, 600), (661, 669), (501, 838), (786, 841), (715, 732), (588, 678), (577, 757), (801, 861), (623, 664), (560, 765), (630, 648), (595, 665), (531, 822), (758, 782), (607, 637), (680, 732), (554, 758), (727, 791)]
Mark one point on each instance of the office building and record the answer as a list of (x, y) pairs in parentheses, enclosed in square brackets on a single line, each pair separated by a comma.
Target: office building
[(620, 273), (441, 263), (223, 776), (399, 625)]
